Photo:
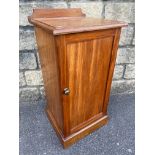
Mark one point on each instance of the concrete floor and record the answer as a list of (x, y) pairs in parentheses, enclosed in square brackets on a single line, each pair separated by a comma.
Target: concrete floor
[(37, 137)]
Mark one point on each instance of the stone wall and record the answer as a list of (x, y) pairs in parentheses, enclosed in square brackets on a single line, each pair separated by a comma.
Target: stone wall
[(30, 80)]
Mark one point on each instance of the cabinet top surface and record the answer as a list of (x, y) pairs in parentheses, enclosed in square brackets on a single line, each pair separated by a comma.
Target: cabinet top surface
[(74, 24)]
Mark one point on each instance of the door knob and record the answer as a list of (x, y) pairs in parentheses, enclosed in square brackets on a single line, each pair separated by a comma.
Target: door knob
[(66, 91)]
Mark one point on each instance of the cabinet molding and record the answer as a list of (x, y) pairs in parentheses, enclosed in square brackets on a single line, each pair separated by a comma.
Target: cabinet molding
[(77, 56)]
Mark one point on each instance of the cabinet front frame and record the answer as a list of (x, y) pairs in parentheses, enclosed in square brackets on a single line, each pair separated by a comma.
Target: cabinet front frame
[(61, 45)]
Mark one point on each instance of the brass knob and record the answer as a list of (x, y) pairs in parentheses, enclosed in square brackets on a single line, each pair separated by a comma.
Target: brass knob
[(66, 91)]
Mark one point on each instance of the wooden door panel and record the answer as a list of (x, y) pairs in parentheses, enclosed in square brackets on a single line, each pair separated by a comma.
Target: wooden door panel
[(87, 71)]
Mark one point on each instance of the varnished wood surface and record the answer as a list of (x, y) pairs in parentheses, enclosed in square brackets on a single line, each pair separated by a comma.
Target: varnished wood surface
[(111, 68), (78, 53), (75, 24), (49, 66), (85, 36), (73, 138), (70, 140), (64, 21), (87, 71), (56, 13)]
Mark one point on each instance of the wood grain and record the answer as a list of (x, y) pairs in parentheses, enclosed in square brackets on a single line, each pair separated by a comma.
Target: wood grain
[(111, 68), (64, 24), (49, 66), (77, 53), (56, 13), (87, 64), (73, 138)]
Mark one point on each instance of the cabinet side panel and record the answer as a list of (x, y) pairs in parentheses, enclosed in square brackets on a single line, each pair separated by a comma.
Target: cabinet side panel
[(111, 68), (50, 71)]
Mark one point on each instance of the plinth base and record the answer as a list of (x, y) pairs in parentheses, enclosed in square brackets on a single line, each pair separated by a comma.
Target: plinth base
[(71, 139)]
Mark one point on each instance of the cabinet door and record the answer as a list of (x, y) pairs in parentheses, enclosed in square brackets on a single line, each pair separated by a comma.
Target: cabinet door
[(87, 66)]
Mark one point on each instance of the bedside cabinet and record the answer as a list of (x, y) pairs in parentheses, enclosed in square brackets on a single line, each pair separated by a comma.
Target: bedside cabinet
[(77, 55)]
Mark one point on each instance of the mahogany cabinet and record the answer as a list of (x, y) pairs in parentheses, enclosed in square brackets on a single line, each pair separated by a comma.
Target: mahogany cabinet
[(77, 57)]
